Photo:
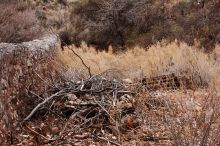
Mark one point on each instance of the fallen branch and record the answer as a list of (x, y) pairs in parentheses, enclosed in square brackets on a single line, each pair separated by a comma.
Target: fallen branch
[(155, 139), (41, 104), (48, 139), (105, 139)]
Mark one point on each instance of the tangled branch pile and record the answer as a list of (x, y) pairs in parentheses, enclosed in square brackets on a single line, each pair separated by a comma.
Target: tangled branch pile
[(101, 110), (87, 105), (41, 107)]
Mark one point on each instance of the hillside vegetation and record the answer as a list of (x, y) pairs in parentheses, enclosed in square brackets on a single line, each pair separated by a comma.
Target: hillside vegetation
[(121, 72), (121, 23), (159, 59), (144, 22), (18, 22)]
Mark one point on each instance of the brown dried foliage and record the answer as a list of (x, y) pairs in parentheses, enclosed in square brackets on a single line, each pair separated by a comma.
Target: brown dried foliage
[(23, 73), (18, 22), (161, 110), (144, 22)]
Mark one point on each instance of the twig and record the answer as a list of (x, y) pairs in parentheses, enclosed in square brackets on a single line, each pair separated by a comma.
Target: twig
[(104, 110), (48, 139), (35, 94), (11, 138), (80, 104), (42, 103), (87, 67), (151, 138), (107, 140)]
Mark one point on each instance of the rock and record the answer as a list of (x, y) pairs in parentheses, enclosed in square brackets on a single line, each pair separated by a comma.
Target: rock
[(129, 81), (193, 105), (24, 66)]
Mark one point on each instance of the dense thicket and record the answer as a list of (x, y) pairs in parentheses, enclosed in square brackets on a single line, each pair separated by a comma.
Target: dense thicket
[(119, 23), (114, 22), (144, 22)]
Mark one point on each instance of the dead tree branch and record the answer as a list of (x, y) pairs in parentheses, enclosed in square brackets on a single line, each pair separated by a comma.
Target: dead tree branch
[(42, 103)]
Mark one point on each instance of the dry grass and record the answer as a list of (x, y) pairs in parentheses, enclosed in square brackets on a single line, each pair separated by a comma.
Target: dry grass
[(160, 59), (179, 117), (188, 118), (162, 117)]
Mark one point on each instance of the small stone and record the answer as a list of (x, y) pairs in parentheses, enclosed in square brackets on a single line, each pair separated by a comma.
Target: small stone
[(114, 137), (129, 81)]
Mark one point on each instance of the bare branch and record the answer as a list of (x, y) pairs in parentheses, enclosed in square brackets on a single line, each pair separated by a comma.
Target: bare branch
[(42, 103)]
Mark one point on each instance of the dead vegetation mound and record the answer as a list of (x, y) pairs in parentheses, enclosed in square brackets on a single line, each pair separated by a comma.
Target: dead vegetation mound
[(101, 110), (105, 108)]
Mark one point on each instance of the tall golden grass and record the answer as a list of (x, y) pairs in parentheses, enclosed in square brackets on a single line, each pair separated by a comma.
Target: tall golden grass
[(137, 62)]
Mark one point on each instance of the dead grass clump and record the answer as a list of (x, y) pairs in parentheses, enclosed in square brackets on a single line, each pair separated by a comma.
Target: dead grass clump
[(160, 59), (18, 22), (179, 118)]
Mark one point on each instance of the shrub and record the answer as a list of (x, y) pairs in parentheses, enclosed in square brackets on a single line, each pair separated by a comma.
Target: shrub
[(197, 22), (18, 22), (144, 22), (103, 23)]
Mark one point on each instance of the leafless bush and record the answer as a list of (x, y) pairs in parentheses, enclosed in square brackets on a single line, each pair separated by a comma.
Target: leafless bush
[(194, 21), (106, 19), (118, 22), (112, 22), (18, 22), (144, 22)]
